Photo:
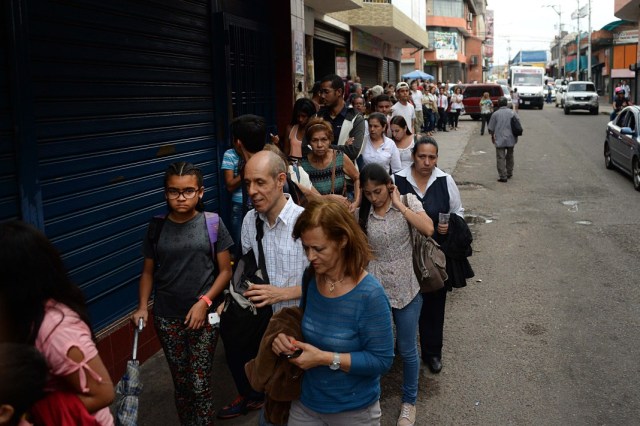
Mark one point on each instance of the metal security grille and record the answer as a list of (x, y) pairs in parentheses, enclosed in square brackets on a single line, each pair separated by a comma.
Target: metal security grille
[(121, 89), (367, 69), (8, 171), (330, 34), (389, 71)]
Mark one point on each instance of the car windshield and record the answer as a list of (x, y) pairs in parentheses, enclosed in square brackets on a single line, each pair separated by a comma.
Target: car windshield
[(582, 87), (527, 79)]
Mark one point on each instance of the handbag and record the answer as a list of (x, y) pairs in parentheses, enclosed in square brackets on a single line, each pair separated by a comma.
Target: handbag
[(516, 126), (242, 324), (429, 261)]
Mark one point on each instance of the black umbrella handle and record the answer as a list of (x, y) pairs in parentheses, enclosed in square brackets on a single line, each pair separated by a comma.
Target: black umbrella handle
[(135, 338)]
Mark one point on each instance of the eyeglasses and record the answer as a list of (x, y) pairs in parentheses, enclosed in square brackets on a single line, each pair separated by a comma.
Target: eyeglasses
[(174, 194)]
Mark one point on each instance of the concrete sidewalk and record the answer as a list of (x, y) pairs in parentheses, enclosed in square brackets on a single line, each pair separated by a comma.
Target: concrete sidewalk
[(156, 401)]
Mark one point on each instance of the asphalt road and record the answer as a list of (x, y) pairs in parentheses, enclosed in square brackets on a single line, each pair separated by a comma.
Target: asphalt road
[(547, 333)]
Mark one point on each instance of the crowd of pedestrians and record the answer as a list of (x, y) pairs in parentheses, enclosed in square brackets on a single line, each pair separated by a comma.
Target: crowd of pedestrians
[(326, 215)]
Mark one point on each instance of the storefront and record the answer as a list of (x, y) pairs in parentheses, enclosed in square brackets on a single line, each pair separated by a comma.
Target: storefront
[(330, 51)]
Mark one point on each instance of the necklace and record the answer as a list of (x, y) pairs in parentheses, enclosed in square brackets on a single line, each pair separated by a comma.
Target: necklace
[(332, 284)]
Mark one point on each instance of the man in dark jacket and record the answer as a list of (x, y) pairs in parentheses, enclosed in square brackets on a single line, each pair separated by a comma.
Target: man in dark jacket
[(503, 138), (348, 124)]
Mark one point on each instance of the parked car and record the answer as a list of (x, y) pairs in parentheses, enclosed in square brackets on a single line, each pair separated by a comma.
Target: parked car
[(622, 144), (507, 94), (472, 93), (581, 95)]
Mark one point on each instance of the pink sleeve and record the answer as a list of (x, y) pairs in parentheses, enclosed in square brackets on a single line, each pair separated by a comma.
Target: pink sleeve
[(61, 330)]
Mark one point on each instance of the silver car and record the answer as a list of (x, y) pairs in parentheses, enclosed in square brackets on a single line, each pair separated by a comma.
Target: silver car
[(581, 95), (622, 144)]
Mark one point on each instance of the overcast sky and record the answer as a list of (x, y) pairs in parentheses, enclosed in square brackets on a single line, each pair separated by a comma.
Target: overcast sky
[(531, 26)]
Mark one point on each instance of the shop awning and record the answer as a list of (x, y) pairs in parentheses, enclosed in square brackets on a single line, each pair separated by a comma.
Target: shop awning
[(571, 65)]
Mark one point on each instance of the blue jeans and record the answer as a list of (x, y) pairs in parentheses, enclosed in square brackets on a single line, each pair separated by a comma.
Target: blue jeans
[(406, 320)]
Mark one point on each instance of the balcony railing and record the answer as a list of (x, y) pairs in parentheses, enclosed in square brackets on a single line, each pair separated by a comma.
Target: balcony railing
[(377, 1)]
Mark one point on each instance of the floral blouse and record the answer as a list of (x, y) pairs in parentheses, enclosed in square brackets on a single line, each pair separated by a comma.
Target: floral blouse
[(390, 241)]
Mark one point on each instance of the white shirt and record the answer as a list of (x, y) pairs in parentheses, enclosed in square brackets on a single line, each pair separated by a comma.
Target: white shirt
[(456, 102), (387, 155), (283, 256), (407, 111), (417, 99), (406, 157), (455, 203)]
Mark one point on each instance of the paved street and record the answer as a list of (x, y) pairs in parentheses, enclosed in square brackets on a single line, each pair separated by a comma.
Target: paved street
[(547, 331)]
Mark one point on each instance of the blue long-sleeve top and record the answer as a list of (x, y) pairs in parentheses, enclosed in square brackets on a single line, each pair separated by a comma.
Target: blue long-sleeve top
[(358, 323)]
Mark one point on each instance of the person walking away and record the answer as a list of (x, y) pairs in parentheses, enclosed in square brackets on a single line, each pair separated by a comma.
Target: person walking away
[(303, 109), (486, 109), (347, 337), (230, 167), (456, 107), (379, 148), (503, 138), (548, 88), (438, 193), (187, 278), (443, 105), (403, 107), (41, 307), (515, 100), (265, 177), (417, 97), (404, 141), (385, 219)]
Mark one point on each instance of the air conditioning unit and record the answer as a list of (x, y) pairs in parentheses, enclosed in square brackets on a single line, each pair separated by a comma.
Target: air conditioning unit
[(474, 60), (470, 17)]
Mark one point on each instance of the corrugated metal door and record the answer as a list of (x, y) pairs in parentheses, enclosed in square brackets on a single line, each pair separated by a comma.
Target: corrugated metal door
[(367, 67), (8, 171), (121, 89)]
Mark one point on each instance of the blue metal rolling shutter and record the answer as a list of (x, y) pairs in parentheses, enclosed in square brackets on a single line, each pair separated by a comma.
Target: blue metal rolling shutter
[(121, 90), (8, 173)]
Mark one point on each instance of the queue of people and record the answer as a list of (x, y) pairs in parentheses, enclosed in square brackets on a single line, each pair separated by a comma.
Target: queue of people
[(326, 216)]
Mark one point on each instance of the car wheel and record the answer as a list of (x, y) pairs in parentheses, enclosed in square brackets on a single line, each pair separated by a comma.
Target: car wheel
[(566, 111), (594, 111), (635, 170), (607, 156), (541, 105)]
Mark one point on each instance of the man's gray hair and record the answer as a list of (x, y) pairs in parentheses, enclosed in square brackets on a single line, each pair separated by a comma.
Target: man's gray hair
[(503, 101)]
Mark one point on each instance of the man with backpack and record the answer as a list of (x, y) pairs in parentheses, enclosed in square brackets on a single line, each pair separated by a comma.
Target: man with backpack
[(283, 257), (501, 129)]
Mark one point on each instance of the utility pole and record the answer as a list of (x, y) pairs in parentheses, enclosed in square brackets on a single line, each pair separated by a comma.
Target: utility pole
[(589, 47), (508, 59), (558, 11), (578, 56)]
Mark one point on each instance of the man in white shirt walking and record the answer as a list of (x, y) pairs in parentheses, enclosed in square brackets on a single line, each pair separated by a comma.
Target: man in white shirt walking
[(403, 107)]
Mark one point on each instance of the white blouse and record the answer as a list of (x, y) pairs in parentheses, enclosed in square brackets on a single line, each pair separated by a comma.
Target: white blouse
[(387, 155)]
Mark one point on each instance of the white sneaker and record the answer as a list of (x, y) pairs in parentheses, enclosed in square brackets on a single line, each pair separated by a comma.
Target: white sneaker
[(407, 415)]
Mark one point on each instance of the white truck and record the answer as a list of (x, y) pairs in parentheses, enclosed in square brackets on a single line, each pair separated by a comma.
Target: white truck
[(529, 80)]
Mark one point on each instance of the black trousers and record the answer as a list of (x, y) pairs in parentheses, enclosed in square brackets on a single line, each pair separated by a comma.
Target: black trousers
[(485, 120), (442, 119), (431, 323)]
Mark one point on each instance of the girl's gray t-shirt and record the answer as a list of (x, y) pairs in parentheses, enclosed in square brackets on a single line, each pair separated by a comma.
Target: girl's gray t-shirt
[(187, 269)]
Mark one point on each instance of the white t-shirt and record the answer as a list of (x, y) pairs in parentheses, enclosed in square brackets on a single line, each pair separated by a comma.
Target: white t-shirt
[(407, 111), (417, 99)]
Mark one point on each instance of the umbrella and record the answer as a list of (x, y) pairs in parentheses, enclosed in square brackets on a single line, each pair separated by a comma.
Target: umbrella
[(129, 387), (418, 74)]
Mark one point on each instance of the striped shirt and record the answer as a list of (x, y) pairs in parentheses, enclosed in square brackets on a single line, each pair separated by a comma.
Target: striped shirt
[(284, 257)]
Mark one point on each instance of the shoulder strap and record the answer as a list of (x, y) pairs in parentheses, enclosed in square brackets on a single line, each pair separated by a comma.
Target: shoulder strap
[(306, 280), (333, 171), (261, 259), (213, 222)]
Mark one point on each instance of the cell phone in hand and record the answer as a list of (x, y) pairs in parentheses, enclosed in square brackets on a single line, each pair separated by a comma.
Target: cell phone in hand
[(290, 355)]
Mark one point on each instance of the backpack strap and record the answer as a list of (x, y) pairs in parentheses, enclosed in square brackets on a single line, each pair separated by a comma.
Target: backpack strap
[(213, 222)]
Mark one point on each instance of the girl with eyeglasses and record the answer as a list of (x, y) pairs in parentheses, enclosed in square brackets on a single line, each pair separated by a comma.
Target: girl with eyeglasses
[(187, 278)]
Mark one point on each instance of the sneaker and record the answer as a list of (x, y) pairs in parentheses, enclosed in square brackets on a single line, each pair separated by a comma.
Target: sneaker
[(407, 415), (236, 408), (254, 404)]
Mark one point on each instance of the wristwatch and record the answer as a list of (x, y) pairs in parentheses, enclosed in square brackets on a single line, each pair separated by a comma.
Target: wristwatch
[(335, 365)]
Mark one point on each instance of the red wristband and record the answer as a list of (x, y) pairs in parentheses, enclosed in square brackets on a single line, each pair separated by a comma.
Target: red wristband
[(206, 299)]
